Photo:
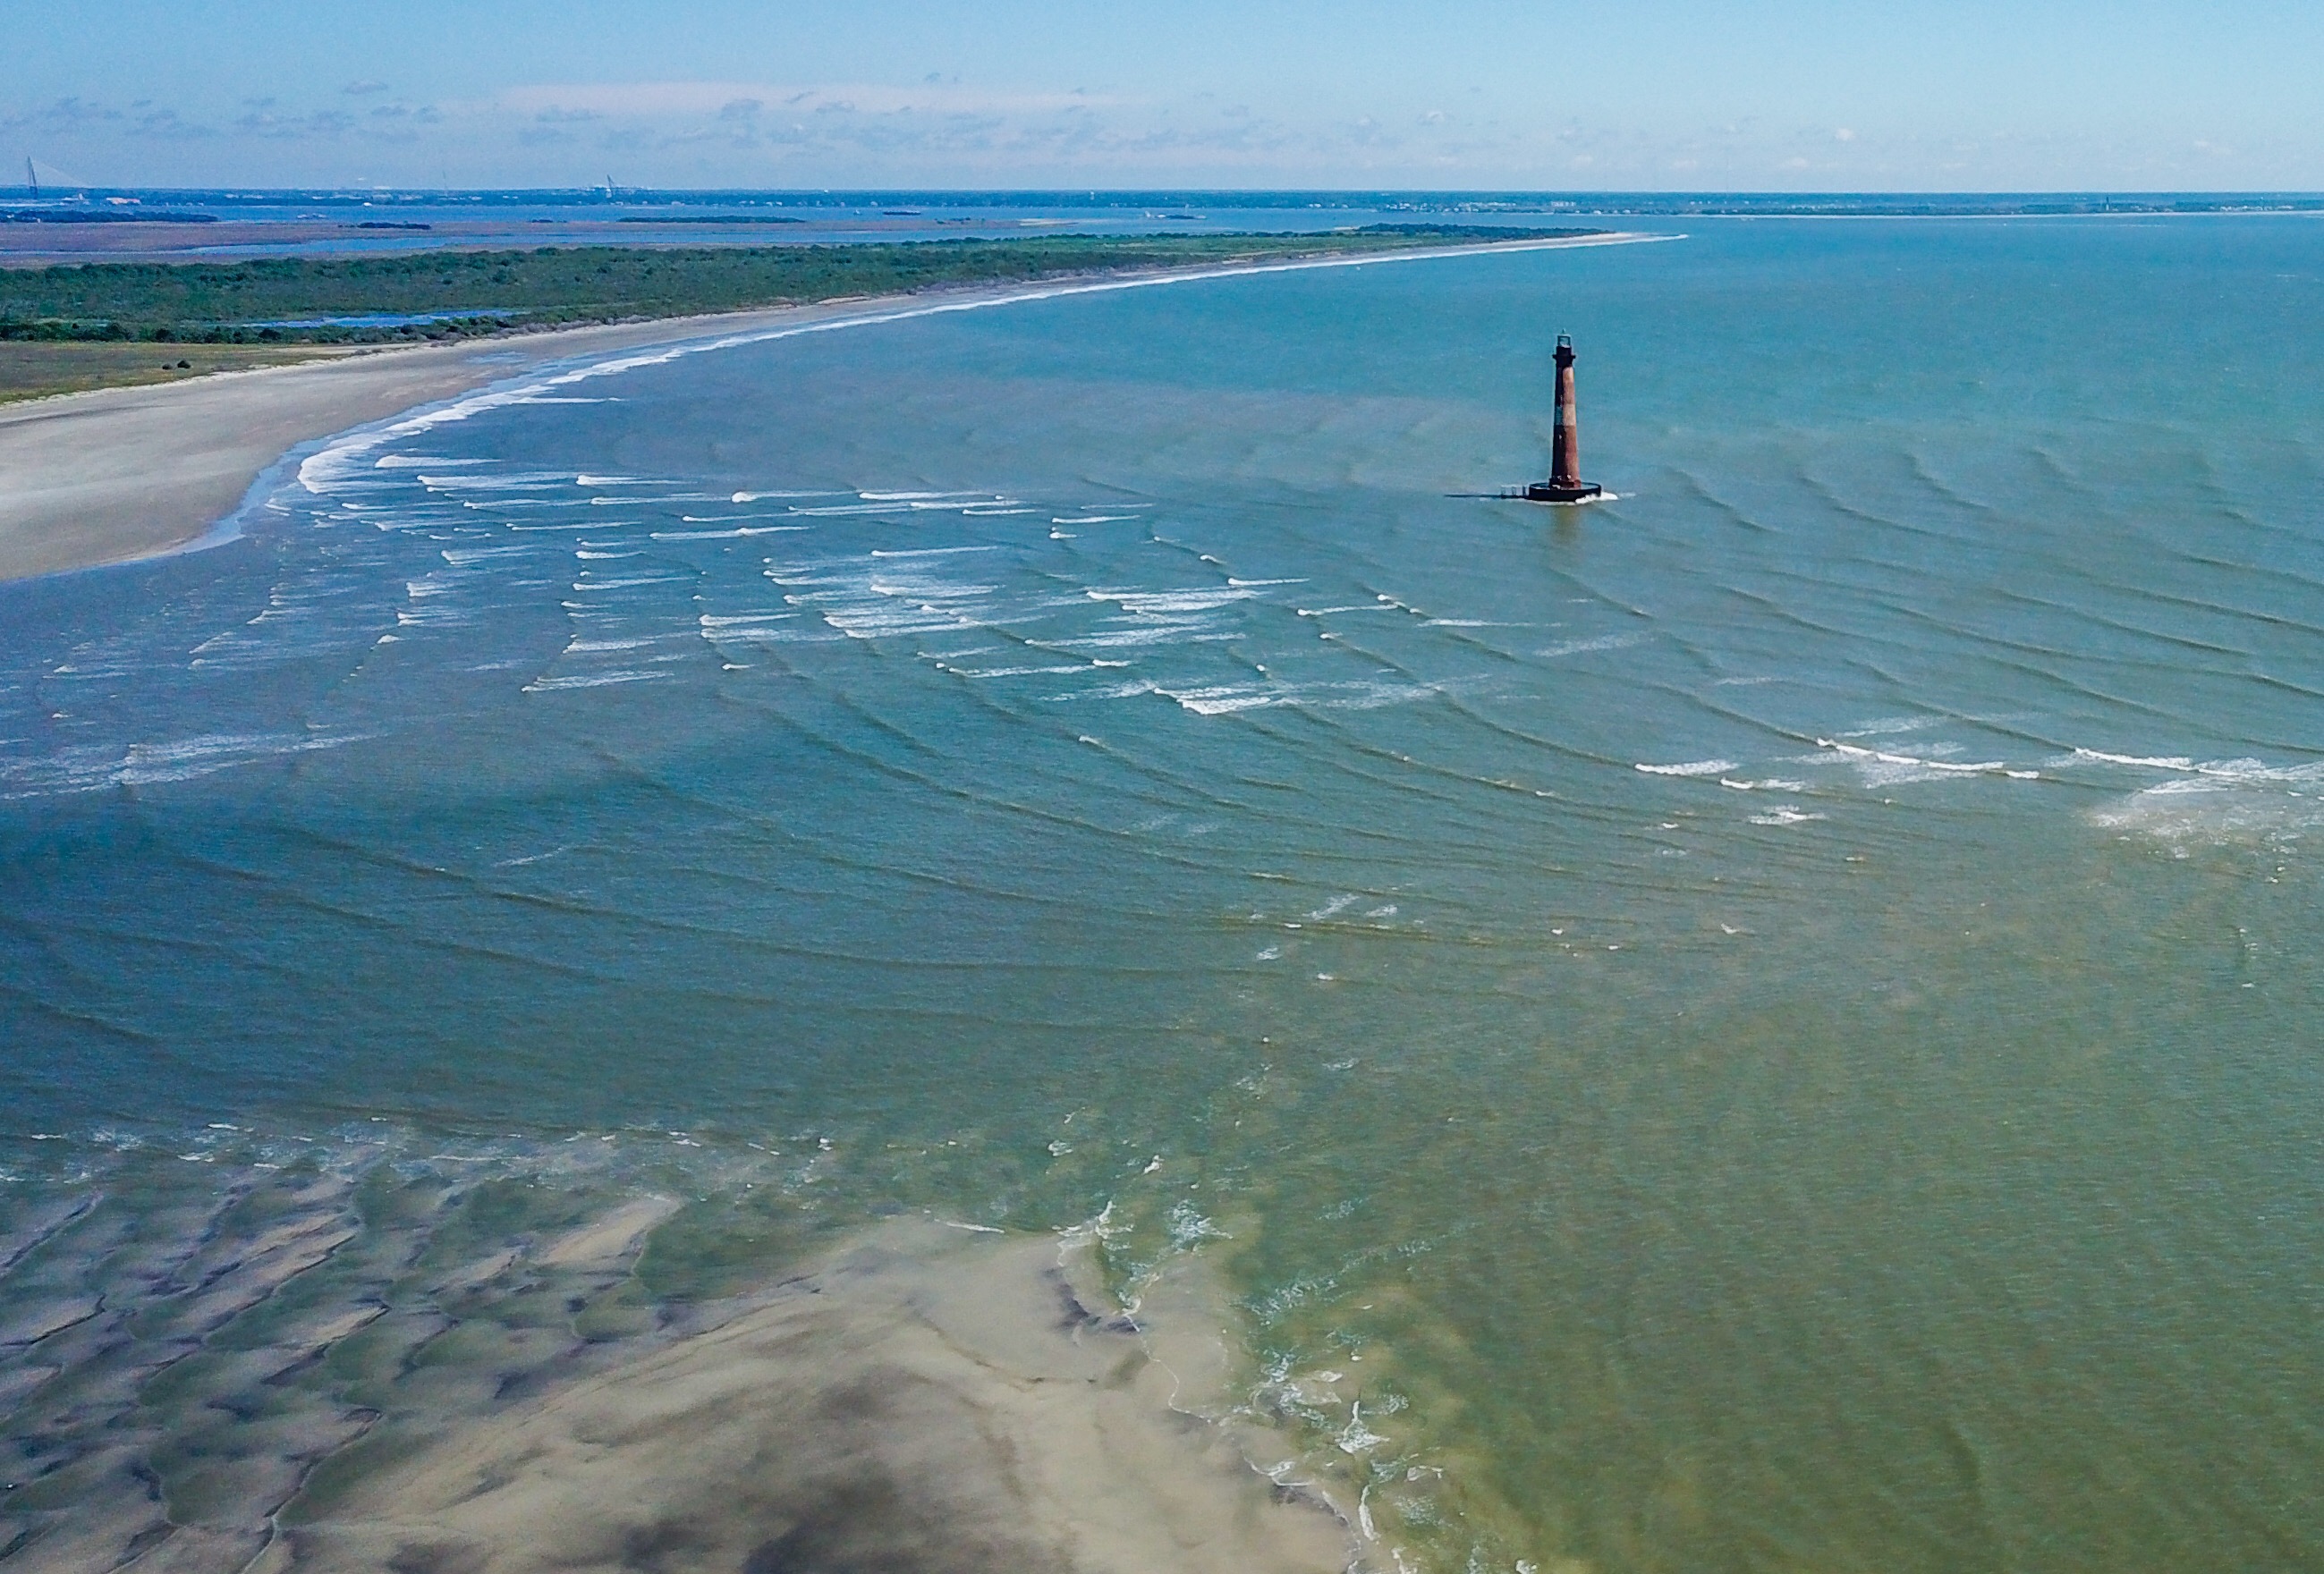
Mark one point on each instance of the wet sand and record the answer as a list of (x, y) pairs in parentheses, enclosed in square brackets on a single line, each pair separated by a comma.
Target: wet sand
[(112, 476), (928, 1399), (285, 1385)]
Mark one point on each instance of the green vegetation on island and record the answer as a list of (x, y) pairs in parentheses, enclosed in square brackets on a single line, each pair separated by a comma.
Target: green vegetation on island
[(447, 294), (32, 368)]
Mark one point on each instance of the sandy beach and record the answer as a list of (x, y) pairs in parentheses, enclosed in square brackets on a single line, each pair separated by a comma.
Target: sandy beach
[(119, 474)]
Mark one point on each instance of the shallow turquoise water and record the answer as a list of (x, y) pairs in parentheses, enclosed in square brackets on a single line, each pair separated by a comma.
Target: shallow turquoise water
[(1767, 1023)]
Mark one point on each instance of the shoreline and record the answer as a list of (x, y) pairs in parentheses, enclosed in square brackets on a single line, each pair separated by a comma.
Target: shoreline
[(115, 476)]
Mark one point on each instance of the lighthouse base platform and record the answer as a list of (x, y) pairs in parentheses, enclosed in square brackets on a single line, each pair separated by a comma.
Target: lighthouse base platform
[(1557, 491)]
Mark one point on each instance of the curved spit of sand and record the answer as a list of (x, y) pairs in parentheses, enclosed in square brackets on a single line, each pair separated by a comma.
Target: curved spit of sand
[(119, 474)]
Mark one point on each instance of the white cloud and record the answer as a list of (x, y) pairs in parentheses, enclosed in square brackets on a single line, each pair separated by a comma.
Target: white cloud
[(656, 100)]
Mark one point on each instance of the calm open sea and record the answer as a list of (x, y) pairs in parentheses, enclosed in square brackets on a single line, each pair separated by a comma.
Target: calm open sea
[(1767, 1023)]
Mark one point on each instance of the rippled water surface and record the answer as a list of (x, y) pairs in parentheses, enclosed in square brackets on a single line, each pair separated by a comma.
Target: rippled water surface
[(1769, 1023)]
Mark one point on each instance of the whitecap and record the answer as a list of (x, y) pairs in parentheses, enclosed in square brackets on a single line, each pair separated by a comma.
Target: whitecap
[(1603, 642), (1223, 700), (1691, 767), (631, 583), (2151, 762), (591, 680), (714, 620), (1166, 603), (1879, 767), (723, 535)]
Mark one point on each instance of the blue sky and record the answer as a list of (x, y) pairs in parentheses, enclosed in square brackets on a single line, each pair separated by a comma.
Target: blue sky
[(1670, 95)]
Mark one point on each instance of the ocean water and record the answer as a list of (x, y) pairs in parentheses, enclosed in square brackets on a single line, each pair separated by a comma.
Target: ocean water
[(1768, 1023)]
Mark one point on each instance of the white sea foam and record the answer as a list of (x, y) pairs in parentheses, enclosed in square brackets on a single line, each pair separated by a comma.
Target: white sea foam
[(464, 557), (2156, 762), (2217, 800), (1122, 639), (847, 509), (1222, 700), (2231, 770), (1691, 767), (1603, 642), (798, 634), (1226, 699), (1170, 602), (633, 584), (1879, 767), (869, 600), (521, 482), (93, 768), (1786, 815), (734, 534), (591, 680), (717, 620), (636, 642), (1887, 726)]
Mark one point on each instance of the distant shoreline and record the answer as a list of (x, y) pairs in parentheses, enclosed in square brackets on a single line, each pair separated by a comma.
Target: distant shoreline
[(121, 474), (114, 323), (454, 291)]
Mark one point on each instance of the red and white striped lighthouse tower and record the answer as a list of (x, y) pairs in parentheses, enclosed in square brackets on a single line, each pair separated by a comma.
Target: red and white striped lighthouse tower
[(1565, 483)]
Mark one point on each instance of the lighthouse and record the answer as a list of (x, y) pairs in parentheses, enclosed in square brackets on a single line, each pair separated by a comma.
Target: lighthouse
[(1565, 483)]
